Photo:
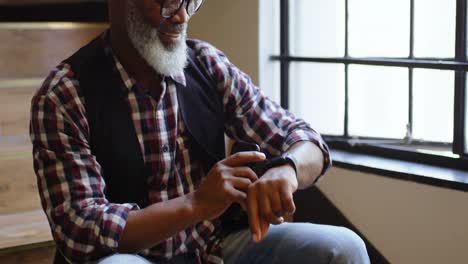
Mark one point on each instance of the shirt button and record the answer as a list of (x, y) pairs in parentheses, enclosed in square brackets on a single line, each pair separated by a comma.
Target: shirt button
[(165, 148)]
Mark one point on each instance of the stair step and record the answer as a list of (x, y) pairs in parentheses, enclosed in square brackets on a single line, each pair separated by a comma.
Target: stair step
[(23, 228)]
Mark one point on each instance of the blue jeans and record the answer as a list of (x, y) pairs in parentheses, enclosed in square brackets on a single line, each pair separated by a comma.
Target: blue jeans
[(285, 243)]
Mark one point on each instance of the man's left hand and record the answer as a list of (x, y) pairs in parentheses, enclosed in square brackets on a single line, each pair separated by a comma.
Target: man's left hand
[(270, 199)]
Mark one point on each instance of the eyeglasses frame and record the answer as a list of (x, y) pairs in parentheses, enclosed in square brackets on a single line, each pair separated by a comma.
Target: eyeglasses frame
[(162, 3)]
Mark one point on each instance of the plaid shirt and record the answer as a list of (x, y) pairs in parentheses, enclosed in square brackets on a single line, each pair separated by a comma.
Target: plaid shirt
[(84, 224)]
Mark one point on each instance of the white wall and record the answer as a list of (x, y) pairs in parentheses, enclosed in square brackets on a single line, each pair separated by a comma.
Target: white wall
[(407, 222)]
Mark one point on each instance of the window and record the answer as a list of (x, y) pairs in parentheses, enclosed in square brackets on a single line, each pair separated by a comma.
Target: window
[(378, 76)]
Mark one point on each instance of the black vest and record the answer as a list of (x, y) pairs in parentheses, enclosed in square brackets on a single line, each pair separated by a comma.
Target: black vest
[(113, 139)]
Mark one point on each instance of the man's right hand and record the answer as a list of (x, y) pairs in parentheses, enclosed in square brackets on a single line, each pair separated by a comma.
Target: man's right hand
[(227, 182)]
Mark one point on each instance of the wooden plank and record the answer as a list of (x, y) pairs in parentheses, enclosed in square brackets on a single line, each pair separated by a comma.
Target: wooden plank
[(24, 228), (35, 2), (39, 255), (18, 187), (29, 52), (24, 248)]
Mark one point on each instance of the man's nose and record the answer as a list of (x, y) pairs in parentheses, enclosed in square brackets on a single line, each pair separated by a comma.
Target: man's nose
[(181, 17)]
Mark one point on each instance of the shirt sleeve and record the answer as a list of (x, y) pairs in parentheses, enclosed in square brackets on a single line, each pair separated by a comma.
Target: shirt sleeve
[(84, 224), (252, 116)]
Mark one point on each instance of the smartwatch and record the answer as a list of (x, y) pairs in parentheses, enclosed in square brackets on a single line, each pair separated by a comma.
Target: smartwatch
[(285, 158)]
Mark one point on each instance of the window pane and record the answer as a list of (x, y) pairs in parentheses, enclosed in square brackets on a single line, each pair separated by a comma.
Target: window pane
[(379, 28), (378, 101), (434, 28), (317, 95), (317, 28), (270, 80), (433, 94)]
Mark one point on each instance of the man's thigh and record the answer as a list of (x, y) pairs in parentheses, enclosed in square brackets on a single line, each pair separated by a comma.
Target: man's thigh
[(297, 243)]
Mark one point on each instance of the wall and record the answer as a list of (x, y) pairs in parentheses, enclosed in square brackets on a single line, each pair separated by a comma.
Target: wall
[(231, 26), (26, 58), (407, 222)]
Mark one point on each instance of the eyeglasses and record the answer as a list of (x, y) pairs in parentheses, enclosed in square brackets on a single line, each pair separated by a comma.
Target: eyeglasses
[(170, 8)]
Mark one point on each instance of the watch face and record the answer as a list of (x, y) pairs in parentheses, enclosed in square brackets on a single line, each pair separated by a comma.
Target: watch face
[(240, 146)]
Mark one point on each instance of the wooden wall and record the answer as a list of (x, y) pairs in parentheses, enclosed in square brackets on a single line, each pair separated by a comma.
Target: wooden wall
[(28, 51)]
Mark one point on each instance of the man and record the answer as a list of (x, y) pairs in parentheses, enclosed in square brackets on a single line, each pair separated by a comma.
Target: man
[(127, 136)]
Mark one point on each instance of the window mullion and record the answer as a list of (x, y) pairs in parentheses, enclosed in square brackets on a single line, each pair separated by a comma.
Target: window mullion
[(346, 108), (284, 50), (409, 128), (411, 55), (460, 80), (459, 114)]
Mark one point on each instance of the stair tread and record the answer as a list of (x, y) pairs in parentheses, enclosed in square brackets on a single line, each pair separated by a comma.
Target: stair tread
[(24, 228)]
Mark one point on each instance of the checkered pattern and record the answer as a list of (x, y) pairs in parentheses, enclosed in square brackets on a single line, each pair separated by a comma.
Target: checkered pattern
[(84, 224)]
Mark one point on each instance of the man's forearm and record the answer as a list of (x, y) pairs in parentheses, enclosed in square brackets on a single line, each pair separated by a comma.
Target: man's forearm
[(281, 182), (310, 162), (147, 227)]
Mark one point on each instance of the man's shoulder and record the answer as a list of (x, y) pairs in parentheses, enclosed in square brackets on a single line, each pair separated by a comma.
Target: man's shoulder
[(212, 59), (198, 45), (203, 49), (60, 86)]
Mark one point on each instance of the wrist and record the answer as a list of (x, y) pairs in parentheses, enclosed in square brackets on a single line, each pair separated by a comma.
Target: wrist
[(291, 172), (291, 169), (292, 162), (194, 207)]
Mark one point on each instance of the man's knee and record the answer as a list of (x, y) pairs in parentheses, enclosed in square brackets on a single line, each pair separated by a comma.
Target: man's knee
[(346, 248), (304, 243), (124, 258), (327, 244)]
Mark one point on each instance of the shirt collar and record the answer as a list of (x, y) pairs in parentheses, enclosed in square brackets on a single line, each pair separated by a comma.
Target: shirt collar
[(129, 81)]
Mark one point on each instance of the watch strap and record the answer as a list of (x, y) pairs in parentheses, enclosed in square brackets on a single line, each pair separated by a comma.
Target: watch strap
[(292, 160), (285, 158)]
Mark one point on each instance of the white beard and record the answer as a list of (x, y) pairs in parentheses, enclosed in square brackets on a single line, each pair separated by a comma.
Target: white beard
[(167, 61)]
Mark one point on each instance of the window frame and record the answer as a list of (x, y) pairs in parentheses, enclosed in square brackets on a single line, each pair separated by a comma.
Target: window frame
[(459, 64)]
